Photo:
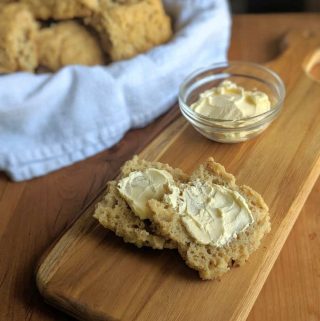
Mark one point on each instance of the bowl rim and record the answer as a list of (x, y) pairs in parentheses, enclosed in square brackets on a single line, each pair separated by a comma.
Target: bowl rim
[(274, 110)]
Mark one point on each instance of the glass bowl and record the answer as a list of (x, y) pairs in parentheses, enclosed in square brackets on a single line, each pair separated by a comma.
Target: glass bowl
[(251, 76)]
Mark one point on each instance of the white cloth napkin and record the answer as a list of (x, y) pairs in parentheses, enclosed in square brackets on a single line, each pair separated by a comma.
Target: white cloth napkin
[(49, 121)]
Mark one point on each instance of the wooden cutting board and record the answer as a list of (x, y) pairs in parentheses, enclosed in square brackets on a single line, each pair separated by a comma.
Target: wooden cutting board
[(93, 275)]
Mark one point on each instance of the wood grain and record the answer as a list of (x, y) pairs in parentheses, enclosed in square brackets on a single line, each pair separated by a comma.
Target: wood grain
[(292, 289), (120, 282), (33, 214)]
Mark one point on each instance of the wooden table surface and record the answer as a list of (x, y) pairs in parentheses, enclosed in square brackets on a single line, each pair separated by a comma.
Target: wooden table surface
[(34, 213)]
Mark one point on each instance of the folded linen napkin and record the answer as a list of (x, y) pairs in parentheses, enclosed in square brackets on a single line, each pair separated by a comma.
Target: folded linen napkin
[(49, 121)]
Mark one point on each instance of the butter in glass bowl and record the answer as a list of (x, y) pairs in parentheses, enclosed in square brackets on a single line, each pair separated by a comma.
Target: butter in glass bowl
[(233, 101)]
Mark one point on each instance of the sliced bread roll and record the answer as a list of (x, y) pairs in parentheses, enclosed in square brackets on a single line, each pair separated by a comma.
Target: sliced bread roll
[(212, 261), (114, 213)]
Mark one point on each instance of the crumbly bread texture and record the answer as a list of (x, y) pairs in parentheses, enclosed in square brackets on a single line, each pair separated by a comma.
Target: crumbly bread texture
[(2, 2), (125, 29), (18, 32), (62, 9), (130, 27), (68, 43), (211, 261), (114, 213)]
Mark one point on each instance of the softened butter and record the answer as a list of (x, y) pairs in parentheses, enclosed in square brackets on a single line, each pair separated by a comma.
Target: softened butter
[(139, 187), (229, 101), (212, 214)]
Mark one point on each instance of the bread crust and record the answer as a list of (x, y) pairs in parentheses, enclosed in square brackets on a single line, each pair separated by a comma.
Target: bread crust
[(114, 213), (130, 27), (61, 9), (18, 32), (68, 43)]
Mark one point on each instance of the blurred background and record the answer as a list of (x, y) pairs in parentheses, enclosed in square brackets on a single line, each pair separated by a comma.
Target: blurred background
[(260, 6)]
